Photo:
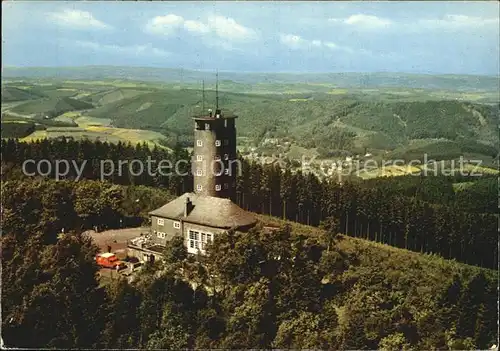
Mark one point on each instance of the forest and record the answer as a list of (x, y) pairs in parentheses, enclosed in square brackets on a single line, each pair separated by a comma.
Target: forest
[(299, 287), (422, 214), (335, 275)]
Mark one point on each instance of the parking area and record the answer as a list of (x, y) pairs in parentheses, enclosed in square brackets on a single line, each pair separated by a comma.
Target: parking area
[(116, 238)]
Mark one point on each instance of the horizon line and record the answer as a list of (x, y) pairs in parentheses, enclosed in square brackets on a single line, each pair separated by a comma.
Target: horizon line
[(258, 72)]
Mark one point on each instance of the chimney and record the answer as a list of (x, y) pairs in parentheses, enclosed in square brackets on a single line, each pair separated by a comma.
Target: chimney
[(188, 206)]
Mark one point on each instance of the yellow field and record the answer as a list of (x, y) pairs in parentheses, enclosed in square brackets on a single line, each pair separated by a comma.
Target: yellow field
[(293, 92), (71, 114), (85, 121), (292, 100), (99, 129), (66, 89), (19, 122), (479, 169), (102, 133), (114, 83), (37, 135), (388, 171), (24, 87), (402, 93), (337, 92), (80, 95), (320, 84)]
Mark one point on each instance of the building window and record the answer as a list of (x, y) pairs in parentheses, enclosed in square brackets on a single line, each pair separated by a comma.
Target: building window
[(160, 221), (226, 157), (199, 142), (199, 158), (226, 171), (217, 143), (199, 187), (161, 235), (226, 186), (205, 239), (177, 225), (198, 240), (199, 172), (226, 142), (217, 187), (225, 123), (194, 240), (207, 126)]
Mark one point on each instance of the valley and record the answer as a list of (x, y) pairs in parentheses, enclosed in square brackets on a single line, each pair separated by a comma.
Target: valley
[(330, 120)]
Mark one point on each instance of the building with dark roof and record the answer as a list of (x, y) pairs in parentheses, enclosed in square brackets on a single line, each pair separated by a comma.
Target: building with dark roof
[(199, 216)]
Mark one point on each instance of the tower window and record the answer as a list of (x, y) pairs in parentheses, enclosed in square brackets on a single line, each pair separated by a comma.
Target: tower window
[(217, 187), (226, 186), (226, 142), (199, 158), (199, 172), (225, 123), (199, 142), (217, 143), (207, 126), (226, 156), (199, 187)]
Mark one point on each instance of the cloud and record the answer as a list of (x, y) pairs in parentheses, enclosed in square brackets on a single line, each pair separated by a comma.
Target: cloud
[(293, 41), (77, 19), (296, 42), (363, 21), (132, 50), (196, 27), (164, 25), (447, 22), (456, 22), (225, 28), (228, 28)]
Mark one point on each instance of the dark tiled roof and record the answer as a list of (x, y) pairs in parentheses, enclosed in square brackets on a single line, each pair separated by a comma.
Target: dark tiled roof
[(207, 210)]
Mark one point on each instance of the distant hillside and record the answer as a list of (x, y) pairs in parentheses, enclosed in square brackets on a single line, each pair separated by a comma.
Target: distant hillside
[(11, 94), (406, 123), (312, 123), (348, 80), (51, 107)]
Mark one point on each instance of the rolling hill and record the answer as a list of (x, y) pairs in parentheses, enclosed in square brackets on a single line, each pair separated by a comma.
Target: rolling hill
[(346, 80), (12, 94), (329, 122), (315, 122), (51, 107)]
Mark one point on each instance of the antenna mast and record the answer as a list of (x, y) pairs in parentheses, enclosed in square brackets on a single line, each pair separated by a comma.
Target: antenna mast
[(217, 90), (203, 97)]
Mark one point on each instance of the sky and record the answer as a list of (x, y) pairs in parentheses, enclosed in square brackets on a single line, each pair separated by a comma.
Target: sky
[(412, 37)]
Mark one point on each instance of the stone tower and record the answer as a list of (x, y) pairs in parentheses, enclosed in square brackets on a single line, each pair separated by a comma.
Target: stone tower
[(214, 157)]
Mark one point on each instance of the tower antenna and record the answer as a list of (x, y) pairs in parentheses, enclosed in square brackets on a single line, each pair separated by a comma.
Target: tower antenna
[(203, 97), (217, 90)]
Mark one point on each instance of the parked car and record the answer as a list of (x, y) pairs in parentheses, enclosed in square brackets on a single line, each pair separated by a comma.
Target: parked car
[(109, 260)]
